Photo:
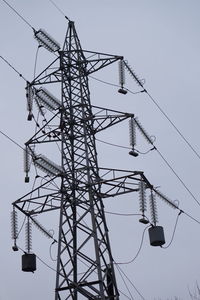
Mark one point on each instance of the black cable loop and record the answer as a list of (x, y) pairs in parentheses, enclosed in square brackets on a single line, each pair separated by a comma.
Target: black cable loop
[(173, 234), (139, 250)]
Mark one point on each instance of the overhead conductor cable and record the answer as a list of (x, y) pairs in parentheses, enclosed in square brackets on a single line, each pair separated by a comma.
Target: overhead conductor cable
[(41, 35)]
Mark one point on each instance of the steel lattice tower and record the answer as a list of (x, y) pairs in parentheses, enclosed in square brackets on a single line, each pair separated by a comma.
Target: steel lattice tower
[(85, 268)]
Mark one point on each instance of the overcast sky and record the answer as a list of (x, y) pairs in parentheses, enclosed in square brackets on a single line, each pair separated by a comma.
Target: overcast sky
[(161, 41)]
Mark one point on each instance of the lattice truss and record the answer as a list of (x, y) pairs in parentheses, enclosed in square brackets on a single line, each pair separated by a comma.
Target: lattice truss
[(75, 185)]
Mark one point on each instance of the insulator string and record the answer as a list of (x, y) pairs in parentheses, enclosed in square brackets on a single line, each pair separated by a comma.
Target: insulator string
[(153, 208), (132, 132), (41, 228), (14, 224), (121, 73), (142, 197), (28, 235), (143, 131)]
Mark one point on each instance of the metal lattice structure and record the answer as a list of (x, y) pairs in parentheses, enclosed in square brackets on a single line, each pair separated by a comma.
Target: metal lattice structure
[(76, 188)]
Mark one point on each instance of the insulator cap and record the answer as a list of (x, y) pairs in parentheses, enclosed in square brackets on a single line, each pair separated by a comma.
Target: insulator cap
[(30, 116), (27, 179), (15, 248), (122, 91), (143, 221), (156, 236), (133, 153)]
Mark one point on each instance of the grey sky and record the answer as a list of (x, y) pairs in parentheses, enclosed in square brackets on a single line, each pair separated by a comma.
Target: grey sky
[(161, 41)]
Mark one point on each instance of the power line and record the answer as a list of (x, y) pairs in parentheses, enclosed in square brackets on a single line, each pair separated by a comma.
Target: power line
[(113, 84), (125, 283), (173, 234), (115, 145), (141, 84), (172, 123), (121, 271), (58, 8), (138, 252), (121, 214), (123, 147), (10, 65), (13, 141), (178, 131), (192, 218), (166, 162), (19, 15), (36, 58), (178, 177)]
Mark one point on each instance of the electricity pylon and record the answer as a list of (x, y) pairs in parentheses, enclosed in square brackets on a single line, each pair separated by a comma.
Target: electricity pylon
[(77, 185)]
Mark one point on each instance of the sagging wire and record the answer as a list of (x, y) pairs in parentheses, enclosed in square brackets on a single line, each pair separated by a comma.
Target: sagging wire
[(19, 15), (173, 234), (123, 147), (13, 141), (175, 127), (50, 251), (178, 177), (191, 217), (60, 10), (36, 58), (141, 84), (40, 35), (122, 272), (163, 158), (12, 67), (121, 214), (125, 283), (171, 168), (139, 250), (83, 262), (113, 84), (151, 141)]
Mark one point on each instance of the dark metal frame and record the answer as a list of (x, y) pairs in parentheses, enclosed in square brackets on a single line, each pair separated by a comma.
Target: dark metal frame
[(85, 266)]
